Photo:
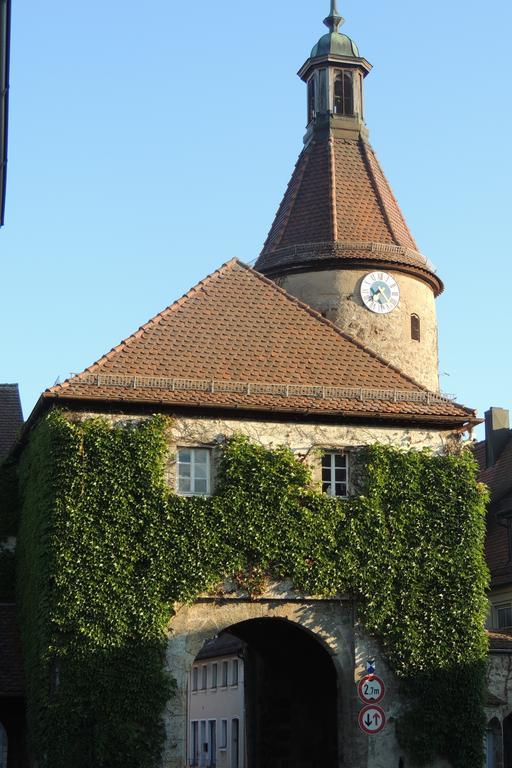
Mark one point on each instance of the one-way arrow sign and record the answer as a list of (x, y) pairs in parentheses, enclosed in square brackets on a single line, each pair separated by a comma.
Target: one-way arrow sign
[(372, 719)]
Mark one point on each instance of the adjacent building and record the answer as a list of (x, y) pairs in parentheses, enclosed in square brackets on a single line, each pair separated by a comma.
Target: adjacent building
[(216, 705), (11, 418), (12, 704)]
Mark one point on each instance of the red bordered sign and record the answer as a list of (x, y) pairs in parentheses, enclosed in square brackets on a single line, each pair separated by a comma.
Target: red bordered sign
[(372, 719), (371, 689)]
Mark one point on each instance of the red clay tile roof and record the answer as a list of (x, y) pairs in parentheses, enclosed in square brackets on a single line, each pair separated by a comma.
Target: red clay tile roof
[(339, 206), (499, 480), (499, 641), (499, 476), (11, 417), (11, 665), (236, 340)]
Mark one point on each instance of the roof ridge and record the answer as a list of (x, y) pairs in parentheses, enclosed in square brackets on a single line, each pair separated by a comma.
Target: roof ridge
[(300, 171), (149, 324), (334, 207), (367, 148)]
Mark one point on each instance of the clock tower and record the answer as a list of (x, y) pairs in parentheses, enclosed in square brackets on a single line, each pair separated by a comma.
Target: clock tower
[(339, 241)]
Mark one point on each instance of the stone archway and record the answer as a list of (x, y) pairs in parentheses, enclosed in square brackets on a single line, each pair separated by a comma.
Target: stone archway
[(325, 629), (291, 696)]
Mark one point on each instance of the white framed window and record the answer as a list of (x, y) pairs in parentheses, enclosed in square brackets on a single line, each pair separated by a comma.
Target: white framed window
[(335, 474), (214, 675), (503, 614), (224, 674), (195, 678), (234, 672), (223, 738), (204, 678), (193, 470)]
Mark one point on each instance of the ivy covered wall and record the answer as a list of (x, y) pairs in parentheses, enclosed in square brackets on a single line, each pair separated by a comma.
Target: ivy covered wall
[(105, 550)]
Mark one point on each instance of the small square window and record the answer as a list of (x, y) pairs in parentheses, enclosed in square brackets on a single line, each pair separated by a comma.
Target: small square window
[(224, 674), (335, 474), (193, 469), (234, 672)]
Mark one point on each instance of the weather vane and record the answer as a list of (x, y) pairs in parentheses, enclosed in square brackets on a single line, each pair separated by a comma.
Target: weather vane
[(334, 20)]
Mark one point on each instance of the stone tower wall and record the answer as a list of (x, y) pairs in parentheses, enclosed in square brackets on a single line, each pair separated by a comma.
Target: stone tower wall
[(336, 294)]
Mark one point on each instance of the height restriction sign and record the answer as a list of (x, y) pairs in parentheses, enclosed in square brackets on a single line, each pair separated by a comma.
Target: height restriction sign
[(372, 719), (371, 689)]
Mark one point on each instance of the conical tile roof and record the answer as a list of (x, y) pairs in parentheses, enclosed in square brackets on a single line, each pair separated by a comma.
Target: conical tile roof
[(339, 208), (237, 341)]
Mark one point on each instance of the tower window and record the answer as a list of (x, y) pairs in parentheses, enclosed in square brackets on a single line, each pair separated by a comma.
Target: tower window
[(311, 98), (344, 94), (415, 328)]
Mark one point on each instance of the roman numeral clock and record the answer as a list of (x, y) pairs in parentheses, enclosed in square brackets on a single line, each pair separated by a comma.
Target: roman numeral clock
[(380, 292)]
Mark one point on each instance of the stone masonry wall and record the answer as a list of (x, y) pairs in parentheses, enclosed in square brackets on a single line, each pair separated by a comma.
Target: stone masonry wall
[(332, 622), (336, 294)]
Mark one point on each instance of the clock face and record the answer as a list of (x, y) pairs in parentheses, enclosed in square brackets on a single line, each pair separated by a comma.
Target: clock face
[(380, 292)]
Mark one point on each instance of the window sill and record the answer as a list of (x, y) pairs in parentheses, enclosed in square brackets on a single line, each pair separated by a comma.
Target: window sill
[(187, 495)]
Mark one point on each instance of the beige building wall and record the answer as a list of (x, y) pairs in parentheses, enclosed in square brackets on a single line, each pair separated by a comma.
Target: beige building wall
[(336, 294), (217, 703), (306, 440)]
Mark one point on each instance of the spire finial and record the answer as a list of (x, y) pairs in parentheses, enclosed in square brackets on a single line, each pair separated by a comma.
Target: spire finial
[(334, 20)]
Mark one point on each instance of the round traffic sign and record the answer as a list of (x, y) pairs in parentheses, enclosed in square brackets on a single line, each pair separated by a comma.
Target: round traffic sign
[(372, 719), (371, 689)]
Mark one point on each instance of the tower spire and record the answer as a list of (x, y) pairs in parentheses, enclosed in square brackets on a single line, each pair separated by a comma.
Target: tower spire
[(334, 20)]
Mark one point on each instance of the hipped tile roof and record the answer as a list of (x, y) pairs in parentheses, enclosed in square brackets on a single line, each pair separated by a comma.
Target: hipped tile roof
[(339, 205), (500, 641), (261, 347), (11, 417), (498, 478)]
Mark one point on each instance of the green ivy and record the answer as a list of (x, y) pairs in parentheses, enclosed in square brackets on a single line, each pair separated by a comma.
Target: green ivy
[(105, 550)]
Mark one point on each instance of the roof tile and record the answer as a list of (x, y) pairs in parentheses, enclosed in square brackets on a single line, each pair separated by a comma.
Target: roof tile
[(236, 328), (339, 205)]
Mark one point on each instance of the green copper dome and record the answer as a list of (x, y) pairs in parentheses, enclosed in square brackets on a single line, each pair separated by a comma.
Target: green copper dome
[(336, 44)]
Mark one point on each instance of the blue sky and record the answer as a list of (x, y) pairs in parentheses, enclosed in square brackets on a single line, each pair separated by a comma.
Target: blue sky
[(151, 143)]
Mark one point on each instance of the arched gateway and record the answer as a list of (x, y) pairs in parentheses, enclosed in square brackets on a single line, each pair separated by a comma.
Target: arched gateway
[(298, 676)]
